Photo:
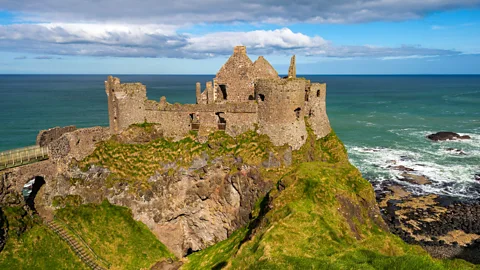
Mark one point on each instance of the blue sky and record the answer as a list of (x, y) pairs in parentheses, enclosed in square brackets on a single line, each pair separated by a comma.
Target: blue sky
[(185, 37)]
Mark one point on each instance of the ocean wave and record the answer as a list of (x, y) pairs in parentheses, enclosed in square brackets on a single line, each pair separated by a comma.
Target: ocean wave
[(449, 177)]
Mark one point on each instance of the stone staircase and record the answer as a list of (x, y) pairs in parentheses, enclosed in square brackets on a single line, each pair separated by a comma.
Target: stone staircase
[(81, 249)]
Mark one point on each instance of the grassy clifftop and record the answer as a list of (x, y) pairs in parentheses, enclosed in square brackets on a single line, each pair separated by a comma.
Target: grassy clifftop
[(113, 234), (31, 245), (322, 215), (109, 230)]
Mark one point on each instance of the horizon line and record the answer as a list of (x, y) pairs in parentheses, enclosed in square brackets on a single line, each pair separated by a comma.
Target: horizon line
[(213, 74)]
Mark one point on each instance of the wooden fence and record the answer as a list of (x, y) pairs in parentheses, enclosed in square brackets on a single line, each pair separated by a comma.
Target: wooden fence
[(21, 156)]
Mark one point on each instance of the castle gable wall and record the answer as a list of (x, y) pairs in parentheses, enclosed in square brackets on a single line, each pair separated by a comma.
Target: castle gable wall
[(237, 77), (263, 70)]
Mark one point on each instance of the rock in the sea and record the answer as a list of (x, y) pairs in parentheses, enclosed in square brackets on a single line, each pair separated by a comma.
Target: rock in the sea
[(401, 168), (456, 151), (447, 135), (398, 192), (415, 179), (477, 176)]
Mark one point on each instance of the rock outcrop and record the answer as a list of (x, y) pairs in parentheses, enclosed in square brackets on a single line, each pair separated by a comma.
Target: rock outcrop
[(188, 209), (447, 135), (446, 227)]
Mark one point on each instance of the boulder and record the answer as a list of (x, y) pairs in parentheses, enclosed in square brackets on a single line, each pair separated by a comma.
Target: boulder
[(456, 151), (401, 168), (415, 179), (447, 135)]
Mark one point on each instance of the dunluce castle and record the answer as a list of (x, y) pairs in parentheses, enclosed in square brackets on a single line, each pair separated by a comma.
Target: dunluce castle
[(242, 96)]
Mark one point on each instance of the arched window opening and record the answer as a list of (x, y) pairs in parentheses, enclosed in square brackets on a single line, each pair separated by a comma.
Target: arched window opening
[(251, 97), (297, 112), (318, 93), (306, 95), (262, 97), (30, 190)]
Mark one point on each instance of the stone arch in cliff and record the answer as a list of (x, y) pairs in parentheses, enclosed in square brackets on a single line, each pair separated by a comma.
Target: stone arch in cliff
[(30, 190)]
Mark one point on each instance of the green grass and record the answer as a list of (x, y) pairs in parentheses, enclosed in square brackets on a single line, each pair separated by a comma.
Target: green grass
[(324, 216), (321, 220), (135, 163), (38, 248), (113, 235)]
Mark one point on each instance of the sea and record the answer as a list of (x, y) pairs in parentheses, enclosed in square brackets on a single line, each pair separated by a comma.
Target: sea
[(382, 120)]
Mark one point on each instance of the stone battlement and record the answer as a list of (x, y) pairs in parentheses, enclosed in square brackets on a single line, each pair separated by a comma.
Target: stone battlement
[(242, 96)]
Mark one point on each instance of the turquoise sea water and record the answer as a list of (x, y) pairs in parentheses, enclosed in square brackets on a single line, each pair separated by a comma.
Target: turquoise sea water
[(382, 120)]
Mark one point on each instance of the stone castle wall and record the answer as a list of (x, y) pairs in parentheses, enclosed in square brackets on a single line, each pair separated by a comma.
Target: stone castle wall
[(176, 119), (237, 75), (126, 103), (281, 110), (254, 95), (45, 137), (316, 109)]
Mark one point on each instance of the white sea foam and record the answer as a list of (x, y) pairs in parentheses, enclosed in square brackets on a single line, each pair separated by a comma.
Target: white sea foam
[(451, 171)]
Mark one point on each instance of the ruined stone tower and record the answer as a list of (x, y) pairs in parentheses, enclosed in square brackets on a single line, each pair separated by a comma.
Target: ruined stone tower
[(126, 103), (242, 96), (281, 110)]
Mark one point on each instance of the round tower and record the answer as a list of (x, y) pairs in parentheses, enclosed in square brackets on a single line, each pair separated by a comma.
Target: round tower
[(281, 110)]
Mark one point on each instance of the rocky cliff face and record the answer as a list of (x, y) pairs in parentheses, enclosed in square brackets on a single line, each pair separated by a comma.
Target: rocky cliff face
[(188, 209), (192, 193)]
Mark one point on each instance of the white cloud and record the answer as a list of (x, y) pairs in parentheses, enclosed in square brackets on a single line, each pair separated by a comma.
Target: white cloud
[(162, 41), (258, 42)]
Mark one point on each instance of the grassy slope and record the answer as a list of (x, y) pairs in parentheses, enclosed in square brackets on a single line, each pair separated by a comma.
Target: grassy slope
[(37, 248), (135, 163), (306, 227), (113, 234)]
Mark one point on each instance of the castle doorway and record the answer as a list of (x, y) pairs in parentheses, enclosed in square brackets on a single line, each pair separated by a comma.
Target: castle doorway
[(223, 91), (30, 190), (221, 121)]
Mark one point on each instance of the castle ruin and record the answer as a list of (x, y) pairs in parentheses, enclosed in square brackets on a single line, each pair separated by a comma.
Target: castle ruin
[(244, 95)]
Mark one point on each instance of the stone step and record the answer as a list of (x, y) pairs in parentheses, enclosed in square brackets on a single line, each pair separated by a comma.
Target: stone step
[(78, 249)]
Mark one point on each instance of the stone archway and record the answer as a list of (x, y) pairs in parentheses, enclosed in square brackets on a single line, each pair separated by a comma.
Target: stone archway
[(31, 189)]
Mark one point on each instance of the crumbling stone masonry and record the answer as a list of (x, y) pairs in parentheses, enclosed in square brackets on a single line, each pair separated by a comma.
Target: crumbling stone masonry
[(243, 95), (45, 137)]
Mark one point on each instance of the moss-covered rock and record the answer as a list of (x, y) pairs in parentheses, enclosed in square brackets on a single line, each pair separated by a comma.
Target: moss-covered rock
[(323, 215)]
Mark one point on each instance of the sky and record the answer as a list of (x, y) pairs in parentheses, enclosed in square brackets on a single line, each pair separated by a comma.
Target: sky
[(196, 37)]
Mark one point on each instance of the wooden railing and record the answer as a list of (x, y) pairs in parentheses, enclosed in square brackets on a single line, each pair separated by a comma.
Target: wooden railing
[(21, 156)]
